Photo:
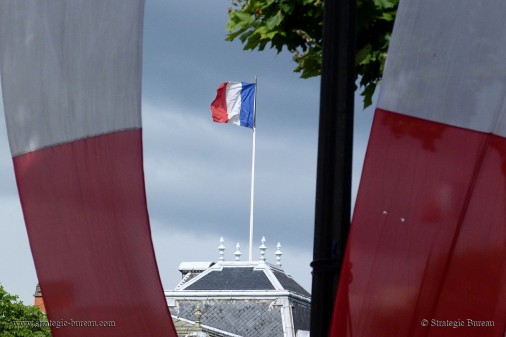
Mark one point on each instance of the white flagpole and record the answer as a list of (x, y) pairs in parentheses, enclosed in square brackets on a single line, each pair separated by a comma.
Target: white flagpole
[(252, 175)]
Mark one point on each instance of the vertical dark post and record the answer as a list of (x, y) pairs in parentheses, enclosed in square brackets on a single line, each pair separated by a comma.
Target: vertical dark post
[(333, 184)]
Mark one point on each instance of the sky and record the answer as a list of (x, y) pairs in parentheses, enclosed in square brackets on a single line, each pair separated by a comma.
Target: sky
[(197, 172)]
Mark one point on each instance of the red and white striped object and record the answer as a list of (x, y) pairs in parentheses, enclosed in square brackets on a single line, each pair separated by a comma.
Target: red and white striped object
[(426, 254), (71, 80)]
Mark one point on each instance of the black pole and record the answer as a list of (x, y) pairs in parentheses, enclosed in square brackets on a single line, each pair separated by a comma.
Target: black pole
[(333, 183)]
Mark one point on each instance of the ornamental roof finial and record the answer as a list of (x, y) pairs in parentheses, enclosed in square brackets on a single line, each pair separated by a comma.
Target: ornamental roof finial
[(237, 252), (263, 248), (278, 254), (198, 315), (221, 249)]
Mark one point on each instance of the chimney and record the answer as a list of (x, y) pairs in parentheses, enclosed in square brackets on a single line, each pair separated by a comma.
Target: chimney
[(39, 302)]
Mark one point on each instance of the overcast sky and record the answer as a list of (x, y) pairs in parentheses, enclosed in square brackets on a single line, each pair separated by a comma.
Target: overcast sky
[(198, 172)]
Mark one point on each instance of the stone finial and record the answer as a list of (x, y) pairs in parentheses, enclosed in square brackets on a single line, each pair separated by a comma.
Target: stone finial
[(278, 254), (198, 315), (237, 252), (197, 330), (221, 249), (263, 248)]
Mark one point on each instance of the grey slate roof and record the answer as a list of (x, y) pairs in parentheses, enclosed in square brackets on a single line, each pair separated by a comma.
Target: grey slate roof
[(301, 316), (289, 283), (233, 279), (245, 318), (243, 298), (186, 326), (236, 276)]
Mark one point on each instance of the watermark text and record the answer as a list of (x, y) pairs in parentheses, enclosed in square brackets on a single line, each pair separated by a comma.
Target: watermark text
[(458, 323), (64, 323)]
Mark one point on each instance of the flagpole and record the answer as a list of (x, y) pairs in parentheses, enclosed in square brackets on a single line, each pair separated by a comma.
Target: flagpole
[(252, 175)]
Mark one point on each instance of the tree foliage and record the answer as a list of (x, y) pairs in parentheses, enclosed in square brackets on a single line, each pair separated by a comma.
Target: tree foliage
[(12, 310), (297, 26)]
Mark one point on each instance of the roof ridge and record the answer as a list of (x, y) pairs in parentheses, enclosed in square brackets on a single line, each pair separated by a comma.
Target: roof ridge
[(183, 281)]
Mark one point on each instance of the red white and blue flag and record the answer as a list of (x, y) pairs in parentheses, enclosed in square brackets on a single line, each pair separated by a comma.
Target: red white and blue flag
[(235, 103), (426, 254)]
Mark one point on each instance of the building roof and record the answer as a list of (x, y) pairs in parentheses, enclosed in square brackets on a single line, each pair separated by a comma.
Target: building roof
[(244, 298), (258, 318), (243, 276), (288, 283), (189, 270), (234, 278)]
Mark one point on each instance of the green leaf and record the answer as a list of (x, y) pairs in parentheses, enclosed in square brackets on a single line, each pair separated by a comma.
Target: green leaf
[(385, 3), (362, 55), (274, 21), (388, 16), (367, 93), (241, 18), (232, 36), (253, 42)]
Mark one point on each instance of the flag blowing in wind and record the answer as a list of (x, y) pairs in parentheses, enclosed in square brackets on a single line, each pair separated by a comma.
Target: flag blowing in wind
[(71, 81), (235, 103), (426, 254)]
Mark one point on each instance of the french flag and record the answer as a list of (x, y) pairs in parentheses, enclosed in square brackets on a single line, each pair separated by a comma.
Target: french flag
[(427, 244), (235, 103), (71, 81)]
